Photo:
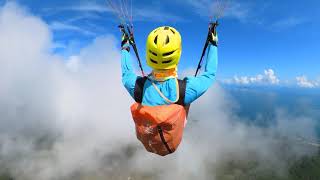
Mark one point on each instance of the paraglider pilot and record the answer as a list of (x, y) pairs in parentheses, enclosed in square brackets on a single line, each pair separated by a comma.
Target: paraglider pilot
[(162, 100)]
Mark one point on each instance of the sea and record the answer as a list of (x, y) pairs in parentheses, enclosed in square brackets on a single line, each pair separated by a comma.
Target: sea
[(255, 102)]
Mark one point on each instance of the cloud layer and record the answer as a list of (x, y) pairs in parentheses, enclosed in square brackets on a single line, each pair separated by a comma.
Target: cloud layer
[(69, 118), (268, 78), (53, 115), (303, 81)]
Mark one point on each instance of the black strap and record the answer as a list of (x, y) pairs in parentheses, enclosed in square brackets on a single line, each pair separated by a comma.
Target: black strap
[(182, 91), (160, 131), (138, 90)]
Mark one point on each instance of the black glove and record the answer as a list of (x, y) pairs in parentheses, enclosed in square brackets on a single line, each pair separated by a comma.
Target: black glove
[(213, 34), (124, 39)]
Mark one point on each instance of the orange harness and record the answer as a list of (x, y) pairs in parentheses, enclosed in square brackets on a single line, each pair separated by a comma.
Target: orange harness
[(160, 128)]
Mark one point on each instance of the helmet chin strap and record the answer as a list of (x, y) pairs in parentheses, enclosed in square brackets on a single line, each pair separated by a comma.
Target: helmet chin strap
[(164, 74)]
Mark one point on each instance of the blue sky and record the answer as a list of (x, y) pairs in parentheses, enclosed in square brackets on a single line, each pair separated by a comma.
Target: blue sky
[(254, 35)]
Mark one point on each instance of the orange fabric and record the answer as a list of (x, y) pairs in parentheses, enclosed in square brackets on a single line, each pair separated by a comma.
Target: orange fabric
[(163, 75), (171, 119)]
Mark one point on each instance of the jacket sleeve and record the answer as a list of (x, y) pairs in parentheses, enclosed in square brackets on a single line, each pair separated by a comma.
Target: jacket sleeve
[(197, 86), (128, 75)]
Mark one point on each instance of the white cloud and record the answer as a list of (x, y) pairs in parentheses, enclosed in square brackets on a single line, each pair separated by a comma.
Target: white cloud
[(77, 110), (231, 9), (303, 81), (269, 77), (244, 11), (73, 63), (90, 7), (143, 13), (156, 14), (238, 11), (59, 26), (287, 23), (84, 16), (82, 7)]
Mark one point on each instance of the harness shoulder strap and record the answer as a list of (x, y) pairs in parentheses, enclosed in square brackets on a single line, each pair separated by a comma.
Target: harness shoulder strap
[(138, 89), (182, 92), (140, 82)]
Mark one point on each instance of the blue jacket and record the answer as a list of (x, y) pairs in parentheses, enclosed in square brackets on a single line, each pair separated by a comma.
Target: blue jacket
[(196, 86)]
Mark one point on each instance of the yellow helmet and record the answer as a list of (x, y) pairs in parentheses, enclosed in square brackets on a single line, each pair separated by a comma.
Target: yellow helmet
[(164, 48)]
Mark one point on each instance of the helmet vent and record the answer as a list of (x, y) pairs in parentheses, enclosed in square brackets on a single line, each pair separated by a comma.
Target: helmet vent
[(168, 54), (166, 62), (173, 31), (167, 40), (155, 62), (166, 28), (156, 40), (153, 53)]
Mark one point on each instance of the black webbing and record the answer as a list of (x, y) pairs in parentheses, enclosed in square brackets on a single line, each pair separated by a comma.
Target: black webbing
[(160, 131), (138, 89), (182, 91)]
